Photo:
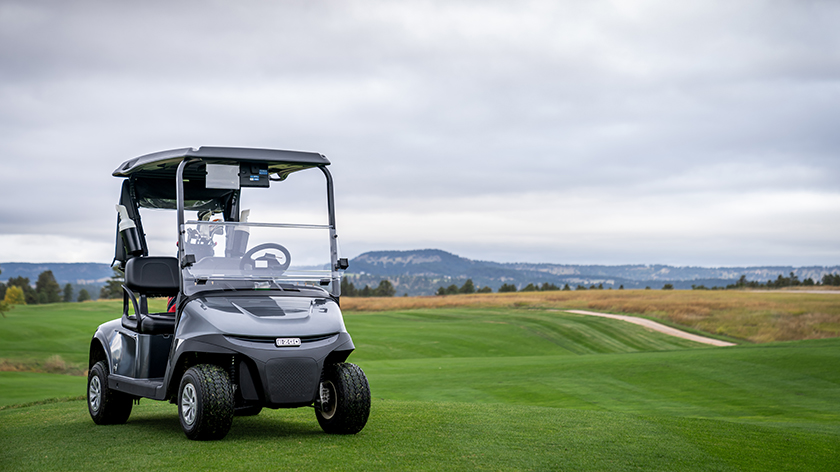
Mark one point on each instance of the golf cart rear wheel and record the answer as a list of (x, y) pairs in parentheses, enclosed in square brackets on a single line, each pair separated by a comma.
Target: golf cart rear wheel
[(343, 406), (106, 406), (205, 402)]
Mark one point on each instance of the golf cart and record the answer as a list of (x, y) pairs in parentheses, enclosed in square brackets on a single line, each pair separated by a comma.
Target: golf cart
[(254, 319)]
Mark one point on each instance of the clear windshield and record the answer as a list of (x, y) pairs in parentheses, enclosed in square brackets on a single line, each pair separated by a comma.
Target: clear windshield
[(256, 255)]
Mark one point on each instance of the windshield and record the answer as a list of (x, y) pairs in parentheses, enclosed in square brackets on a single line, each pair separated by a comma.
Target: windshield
[(255, 255)]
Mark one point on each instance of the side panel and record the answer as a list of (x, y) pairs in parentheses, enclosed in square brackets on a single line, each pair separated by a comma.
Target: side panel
[(131, 354), (152, 354), (123, 353)]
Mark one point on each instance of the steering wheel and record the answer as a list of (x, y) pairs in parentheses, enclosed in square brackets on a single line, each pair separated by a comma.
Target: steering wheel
[(271, 261)]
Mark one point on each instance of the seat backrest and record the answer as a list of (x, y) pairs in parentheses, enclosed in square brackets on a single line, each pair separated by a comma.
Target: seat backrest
[(154, 276)]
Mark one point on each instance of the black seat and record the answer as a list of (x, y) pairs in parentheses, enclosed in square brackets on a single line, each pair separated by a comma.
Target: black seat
[(153, 276), (158, 323), (150, 277)]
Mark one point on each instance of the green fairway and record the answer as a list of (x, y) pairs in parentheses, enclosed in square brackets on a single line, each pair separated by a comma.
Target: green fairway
[(24, 387), (467, 388), (36, 332), (409, 436), (497, 332), (796, 385)]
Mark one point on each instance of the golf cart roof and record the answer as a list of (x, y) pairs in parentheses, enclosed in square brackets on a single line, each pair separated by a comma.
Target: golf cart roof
[(163, 164)]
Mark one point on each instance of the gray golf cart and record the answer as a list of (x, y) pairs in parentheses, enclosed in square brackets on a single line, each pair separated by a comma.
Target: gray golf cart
[(254, 319)]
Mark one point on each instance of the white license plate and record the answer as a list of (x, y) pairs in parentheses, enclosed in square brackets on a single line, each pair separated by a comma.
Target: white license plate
[(283, 342)]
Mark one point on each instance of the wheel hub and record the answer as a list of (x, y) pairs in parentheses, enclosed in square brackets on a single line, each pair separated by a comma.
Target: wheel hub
[(328, 400), (188, 404), (95, 394)]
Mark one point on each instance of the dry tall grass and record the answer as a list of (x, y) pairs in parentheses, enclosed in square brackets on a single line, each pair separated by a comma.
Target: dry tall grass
[(754, 316), (54, 364)]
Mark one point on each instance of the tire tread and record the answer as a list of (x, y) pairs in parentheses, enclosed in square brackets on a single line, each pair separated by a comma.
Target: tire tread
[(353, 403), (114, 407), (215, 413)]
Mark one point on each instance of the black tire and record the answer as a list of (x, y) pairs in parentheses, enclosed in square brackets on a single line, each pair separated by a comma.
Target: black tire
[(249, 410), (106, 406), (343, 406), (205, 402)]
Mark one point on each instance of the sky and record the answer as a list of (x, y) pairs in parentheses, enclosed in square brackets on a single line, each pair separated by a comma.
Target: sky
[(699, 133)]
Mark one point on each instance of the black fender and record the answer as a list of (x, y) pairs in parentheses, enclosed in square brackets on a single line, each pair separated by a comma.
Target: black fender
[(100, 344)]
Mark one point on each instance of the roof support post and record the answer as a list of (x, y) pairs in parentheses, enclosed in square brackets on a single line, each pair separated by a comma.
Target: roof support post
[(179, 196), (334, 275)]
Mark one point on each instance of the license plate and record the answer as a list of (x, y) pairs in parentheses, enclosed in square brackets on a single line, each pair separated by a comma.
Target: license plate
[(285, 342)]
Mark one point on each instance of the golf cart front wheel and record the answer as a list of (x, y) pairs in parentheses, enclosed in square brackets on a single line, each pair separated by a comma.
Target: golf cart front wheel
[(205, 402), (343, 405), (106, 406)]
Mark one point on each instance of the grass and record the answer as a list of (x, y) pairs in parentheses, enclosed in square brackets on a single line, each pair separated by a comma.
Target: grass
[(496, 332), (789, 386), (485, 387), (747, 315), (25, 387), (410, 436), (31, 336)]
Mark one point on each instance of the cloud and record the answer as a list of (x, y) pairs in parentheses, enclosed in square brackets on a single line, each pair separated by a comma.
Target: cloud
[(434, 114)]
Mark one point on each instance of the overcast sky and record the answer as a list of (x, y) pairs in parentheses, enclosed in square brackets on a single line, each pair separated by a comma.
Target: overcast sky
[(687, 133)]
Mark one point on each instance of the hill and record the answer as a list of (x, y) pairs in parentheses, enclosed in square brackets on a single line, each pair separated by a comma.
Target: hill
[(421, 272), (73, 272)]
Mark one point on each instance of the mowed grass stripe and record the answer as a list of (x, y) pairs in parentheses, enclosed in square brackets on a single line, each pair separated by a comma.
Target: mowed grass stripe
[(494, 332), (791, 384), (409, 436), (24, 387)]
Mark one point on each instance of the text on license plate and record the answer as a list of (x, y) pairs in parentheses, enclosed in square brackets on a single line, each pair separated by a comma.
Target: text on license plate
[(280, 342)]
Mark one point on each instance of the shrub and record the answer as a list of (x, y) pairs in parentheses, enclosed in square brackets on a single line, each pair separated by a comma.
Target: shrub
[(55, 364), (4, 307), (15, 296)]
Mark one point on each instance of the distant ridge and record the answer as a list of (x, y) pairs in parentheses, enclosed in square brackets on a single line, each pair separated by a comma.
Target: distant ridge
[(64, 272), (421, 271)]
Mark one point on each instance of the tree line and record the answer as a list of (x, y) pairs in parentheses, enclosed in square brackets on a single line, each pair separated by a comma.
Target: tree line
[(384, 289), (19, 291), (469, 287), (781, 281)]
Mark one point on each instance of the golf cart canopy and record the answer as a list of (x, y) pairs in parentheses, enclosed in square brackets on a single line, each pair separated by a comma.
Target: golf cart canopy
[(151, 177), (203, 179)]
